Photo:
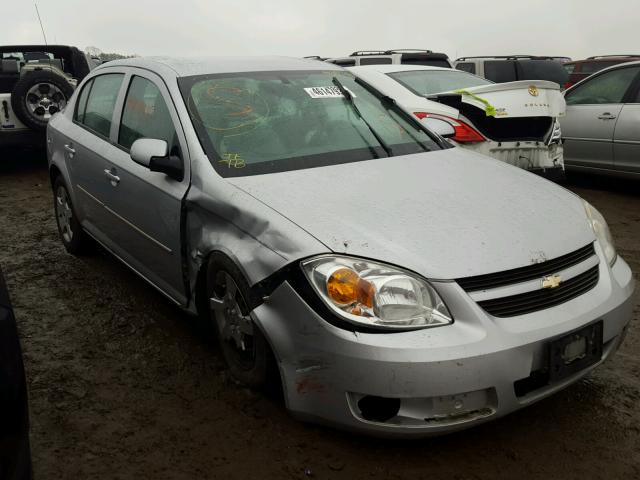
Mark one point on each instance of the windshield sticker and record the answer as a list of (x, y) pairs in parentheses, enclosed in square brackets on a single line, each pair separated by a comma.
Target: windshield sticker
[(326, 92), (233, 160)]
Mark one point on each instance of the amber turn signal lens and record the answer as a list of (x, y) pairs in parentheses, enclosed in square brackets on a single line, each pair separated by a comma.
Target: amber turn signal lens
[(342, 286), (345, 287)]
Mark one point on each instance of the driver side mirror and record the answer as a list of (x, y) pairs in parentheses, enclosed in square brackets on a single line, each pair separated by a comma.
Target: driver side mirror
[(154, 154)]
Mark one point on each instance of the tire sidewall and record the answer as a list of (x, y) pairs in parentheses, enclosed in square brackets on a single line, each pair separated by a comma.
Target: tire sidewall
[(19, 95), (257, 376), (78, 241)]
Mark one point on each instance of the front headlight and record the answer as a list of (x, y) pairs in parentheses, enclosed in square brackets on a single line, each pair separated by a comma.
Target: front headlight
[(375, 295), (601, 229)]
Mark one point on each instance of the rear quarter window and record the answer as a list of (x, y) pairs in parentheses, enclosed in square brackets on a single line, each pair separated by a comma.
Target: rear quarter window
[(468, 67), (500, 71), (376, 61)]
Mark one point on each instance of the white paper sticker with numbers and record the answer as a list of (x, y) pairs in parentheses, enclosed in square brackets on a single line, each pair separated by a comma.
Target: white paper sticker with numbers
[(324, 92)]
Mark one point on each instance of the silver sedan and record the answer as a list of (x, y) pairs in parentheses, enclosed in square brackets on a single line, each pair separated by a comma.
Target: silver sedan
[(601, 129), (390, 282)]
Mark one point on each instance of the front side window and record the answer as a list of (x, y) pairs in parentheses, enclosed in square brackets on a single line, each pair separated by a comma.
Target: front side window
[(145, 115), (428, 82), (100, 103), (264, 122), (609, 87)]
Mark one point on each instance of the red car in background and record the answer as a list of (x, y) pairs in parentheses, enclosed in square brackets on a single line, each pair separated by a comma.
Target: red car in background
[(580, 69)]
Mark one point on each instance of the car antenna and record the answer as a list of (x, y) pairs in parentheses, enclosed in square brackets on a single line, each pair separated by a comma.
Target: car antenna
[(41, 26), (43, 34)]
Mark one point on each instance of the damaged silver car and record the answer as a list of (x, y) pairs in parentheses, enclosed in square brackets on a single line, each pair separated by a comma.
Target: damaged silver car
[(401, 286)]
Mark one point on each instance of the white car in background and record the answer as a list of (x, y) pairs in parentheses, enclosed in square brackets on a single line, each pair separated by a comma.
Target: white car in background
[(515, 122)]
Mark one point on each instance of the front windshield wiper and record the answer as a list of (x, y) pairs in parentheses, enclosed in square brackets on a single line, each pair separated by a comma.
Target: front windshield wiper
[(349, 98), (390, 104)]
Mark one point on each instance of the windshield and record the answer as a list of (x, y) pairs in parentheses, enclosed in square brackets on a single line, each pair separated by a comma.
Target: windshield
[(428, 82), (265, 122)]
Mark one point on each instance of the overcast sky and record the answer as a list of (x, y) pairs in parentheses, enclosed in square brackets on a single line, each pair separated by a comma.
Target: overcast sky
[(575, 28)]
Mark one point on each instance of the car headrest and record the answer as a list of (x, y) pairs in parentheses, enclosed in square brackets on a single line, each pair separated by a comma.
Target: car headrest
[(9, 66)]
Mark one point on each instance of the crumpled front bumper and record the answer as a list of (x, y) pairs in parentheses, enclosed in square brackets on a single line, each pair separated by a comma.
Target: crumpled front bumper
[(445, 378)]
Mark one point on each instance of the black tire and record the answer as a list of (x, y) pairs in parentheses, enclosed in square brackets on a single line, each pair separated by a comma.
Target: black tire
[(74, 238), (57, 94), (253, 368)]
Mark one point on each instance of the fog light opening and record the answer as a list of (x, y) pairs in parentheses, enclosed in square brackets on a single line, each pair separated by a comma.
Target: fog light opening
[(378, 409)]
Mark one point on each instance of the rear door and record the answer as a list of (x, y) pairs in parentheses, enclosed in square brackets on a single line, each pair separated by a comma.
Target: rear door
[(593, 108), (87, 143), (626, 138), (147, 205)]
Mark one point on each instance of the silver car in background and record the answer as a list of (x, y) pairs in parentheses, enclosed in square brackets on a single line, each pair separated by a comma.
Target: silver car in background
[(400, 286), (601, 129)]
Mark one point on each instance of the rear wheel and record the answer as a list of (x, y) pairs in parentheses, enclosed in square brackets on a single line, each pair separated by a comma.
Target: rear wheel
[(73, 237), (243, 346)]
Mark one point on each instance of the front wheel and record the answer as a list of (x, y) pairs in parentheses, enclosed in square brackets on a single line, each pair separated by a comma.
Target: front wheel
[(73, 237), (243, 346)]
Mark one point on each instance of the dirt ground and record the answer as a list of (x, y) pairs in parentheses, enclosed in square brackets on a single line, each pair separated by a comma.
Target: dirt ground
[(122, 385)]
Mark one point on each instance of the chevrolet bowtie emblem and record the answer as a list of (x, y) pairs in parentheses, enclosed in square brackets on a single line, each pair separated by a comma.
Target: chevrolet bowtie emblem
[(552, 281), (533, 91)]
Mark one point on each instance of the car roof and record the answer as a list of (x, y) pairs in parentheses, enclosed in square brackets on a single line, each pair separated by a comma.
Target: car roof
[(401, 67), (188, 66)]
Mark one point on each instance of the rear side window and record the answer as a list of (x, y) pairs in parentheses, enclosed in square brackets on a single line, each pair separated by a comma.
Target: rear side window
[(100, 103), (569, 67), (145, 115), (375, 61), (468, 67), (550, 70), (500, 71), (609, 87), (593, 67)]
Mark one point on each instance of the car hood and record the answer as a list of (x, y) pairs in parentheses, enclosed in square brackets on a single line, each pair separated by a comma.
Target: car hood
[(444, 214), (526, 98)]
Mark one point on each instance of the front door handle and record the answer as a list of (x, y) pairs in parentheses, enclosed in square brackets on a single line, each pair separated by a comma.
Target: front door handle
[(69, 148), (606, 116), (113, 178)]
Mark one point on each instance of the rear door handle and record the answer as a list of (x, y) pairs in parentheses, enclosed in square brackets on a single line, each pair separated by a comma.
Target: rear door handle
[(113, 178), (69, 148), (606, 116)]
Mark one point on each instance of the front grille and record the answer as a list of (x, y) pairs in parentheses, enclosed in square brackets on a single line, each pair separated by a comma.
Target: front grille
[(523, 274), (542, 298)]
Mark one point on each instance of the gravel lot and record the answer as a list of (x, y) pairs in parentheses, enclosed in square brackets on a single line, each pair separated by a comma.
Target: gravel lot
[(123, 385)]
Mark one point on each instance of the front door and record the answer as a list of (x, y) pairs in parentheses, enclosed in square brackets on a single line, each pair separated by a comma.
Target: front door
[(145, 204)]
